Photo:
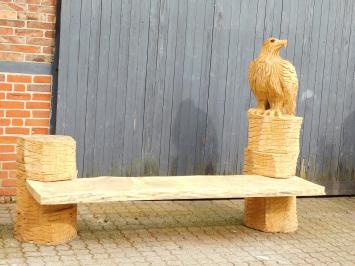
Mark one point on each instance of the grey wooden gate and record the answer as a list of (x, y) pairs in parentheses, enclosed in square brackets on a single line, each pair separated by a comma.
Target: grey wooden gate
[(159, 87)]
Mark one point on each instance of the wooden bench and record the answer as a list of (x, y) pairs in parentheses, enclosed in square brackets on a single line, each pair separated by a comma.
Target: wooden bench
[(48, 192), (107, 188), (270, 204)]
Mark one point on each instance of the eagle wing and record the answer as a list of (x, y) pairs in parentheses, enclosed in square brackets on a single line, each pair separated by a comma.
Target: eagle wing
[(252, 77), (289, 84)]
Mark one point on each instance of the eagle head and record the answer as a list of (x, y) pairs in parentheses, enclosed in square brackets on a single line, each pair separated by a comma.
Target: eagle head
[(272, 46)]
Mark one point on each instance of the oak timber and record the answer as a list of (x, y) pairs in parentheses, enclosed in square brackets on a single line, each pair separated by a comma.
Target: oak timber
[(105, 188)]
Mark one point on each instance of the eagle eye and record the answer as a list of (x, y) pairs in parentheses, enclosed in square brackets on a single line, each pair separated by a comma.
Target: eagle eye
[(272, 40)]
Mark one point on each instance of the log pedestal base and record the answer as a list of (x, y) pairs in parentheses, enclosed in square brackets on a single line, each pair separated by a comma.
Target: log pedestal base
[(47, 159), (274, 214)]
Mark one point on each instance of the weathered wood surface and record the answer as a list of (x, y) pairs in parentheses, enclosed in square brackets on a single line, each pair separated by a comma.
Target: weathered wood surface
[(159, 87), (104, 189)]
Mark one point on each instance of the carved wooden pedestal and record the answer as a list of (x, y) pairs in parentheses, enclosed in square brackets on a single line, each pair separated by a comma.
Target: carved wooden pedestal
[(273, 145), (44, 158), (273, 149), (276, 214)]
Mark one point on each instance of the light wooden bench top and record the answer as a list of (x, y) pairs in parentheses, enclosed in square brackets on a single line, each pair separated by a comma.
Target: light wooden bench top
[(106, 188)]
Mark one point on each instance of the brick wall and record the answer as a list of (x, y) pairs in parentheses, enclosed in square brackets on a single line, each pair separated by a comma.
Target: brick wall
[(24, 110), (27, 29), (26, 35)]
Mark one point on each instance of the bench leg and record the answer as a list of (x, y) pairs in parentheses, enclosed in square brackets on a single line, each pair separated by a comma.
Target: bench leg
[(271, 214), (44, 158), (43, 224)]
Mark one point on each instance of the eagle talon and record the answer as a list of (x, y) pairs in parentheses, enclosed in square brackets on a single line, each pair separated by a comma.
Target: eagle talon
[(274, 113), (256, 111)]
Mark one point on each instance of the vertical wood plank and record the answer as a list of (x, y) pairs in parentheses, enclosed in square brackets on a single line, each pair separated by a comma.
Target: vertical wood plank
[(82, 86), (137, 164), (172, 7), (333, 94), (341, 89), (202, 106), (91, 99), (74, 43), (150, 90), (102, 84), (325, 87), (177, 92), (63, 67), (112, 81), (315, 108)]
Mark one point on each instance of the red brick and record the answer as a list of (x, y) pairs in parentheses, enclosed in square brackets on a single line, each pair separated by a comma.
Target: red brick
[(39, 58), (49, 34), (9, 165), (31, 16), (17, 113), (6, 31), (49, 2), (4, 174), (42, 79), (51, 18), (9, 191), (48, 50), (12, 23), (8, 14), (19, 78), (7, 148), (2, 131), (31, 2), (39, 87), (40, 41), (17, 122), (29, 32), (8, 140), (19, 87), (17, 130), (9, 183), (17, 7), (12, 39), (5, 86), (4, 122), (2, 77), (12, 174), (20, 48), (2, 113), (37, 122), (41, 97), (42, 9), (8, 56), (37, 105), (40, 25), (7, 157), (2, 95), (36, 131), (18, 96), (40, 114), (11, 105)]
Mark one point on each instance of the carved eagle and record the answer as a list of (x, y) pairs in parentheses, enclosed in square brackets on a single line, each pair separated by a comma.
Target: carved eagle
[(273, 80)]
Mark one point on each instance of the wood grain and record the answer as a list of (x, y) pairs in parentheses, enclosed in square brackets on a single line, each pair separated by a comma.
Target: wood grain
[(105, 188)]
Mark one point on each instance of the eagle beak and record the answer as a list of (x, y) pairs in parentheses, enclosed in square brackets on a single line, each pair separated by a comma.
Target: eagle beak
[(283, 43)]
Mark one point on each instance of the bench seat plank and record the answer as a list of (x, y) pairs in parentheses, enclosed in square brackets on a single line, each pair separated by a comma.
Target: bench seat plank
[(106, 188)]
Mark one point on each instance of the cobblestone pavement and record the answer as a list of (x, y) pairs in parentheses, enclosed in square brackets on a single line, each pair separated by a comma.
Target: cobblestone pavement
[(191, 233)]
